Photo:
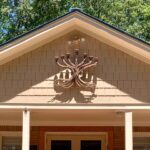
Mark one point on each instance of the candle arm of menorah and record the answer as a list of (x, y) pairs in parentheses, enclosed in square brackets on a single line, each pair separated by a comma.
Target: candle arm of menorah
[(66, 84), (83, 82), (86, 83), (69, 60), (71, 63), (78, 83), (65, 80), (61, 65), (92, 61), (76, 61), (88, 66), (64, 61), (82, 62)]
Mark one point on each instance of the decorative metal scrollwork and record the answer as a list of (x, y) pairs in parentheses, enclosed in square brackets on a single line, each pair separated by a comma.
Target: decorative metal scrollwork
[(77, 69)]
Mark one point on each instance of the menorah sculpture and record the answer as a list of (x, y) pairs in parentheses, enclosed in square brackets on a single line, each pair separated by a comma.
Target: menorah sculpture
[(77, 69)]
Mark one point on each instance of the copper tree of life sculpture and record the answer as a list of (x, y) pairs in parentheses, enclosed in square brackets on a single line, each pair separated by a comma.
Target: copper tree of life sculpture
[(77, 67)]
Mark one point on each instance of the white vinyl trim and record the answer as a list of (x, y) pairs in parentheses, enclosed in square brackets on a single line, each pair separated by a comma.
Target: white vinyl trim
[(75, 137), (26, 130), (41, 107), (78, 20), (128, 131)]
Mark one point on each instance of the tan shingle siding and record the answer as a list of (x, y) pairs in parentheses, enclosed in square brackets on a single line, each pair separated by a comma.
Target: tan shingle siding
[(120, 77)]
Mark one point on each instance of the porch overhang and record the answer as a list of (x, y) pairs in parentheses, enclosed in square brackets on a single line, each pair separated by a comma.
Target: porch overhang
[(98, 119), (74, 116)]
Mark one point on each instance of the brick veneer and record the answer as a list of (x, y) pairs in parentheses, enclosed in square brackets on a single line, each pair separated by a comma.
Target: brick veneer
[(118, 138), (115, 134)]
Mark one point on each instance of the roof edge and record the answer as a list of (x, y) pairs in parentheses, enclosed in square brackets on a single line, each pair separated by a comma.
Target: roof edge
[(74, 10)]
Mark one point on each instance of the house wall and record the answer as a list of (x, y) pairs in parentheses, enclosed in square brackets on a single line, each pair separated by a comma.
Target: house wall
[(34, 133), (115, 134), (120, 78)]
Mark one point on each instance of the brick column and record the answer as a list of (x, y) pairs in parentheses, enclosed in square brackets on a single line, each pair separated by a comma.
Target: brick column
[(26, 130), (128, 131)]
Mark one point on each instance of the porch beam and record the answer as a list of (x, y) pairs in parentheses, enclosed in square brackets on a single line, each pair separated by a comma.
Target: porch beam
[(26, 130), (38, 107), (128, 131)]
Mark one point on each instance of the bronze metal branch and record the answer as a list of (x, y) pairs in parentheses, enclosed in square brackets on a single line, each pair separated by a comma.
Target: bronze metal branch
[(76, 69)]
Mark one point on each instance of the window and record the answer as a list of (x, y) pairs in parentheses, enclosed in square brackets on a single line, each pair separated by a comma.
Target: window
[(14, 143), (90, 145), (60, 145), (33, 147), (141, 141), (11, 143)]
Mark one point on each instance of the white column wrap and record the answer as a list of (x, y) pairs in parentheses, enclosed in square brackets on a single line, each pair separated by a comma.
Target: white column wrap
[(128, 131), (26, 130)]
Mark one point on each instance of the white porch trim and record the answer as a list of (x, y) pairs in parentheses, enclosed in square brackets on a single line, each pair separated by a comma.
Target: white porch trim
[(26, 130), (76, 107), (79, 21), (128, 131)]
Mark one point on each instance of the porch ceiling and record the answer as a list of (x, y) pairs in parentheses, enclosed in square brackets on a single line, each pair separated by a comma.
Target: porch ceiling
[(75, 117)]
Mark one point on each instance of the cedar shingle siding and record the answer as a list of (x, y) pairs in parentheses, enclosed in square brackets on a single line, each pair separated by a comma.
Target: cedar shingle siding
[(120, 78)]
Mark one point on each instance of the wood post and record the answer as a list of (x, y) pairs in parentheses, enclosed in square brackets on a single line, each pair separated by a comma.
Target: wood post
[(26, 130), (128, 131)]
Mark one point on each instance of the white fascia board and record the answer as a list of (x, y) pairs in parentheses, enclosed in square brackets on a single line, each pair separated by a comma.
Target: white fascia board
[(74, 107), (86, 25), (115, 39), (36, 41)]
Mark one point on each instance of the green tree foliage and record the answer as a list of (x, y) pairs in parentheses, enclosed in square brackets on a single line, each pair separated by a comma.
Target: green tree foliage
[(19, 16)]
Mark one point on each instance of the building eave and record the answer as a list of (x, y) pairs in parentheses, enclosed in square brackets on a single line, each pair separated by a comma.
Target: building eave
[(75, 21)]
